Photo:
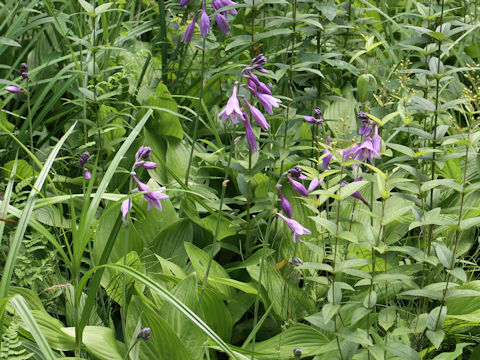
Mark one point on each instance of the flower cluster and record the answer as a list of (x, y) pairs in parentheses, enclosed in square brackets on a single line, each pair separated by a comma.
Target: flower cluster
[(15, 89), (316, 118), (152, 196), (221, 18), (259, 91), (83, 160)]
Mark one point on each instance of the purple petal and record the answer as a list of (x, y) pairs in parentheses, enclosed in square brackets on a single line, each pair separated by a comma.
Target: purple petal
[(190, 29), (14, 90), (298, 187), (296, 227), (310, 119), (249, 134), (222, 23), (87, 175), (376, 141), (257, 116), (204, 22), (285, 204), (315, 183), (126, 207)]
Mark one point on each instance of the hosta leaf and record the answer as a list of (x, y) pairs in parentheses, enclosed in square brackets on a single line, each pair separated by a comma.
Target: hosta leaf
[(445, 256), (436, 337), (436, 317)]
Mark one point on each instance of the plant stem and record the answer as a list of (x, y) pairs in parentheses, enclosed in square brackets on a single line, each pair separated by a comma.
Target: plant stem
[(195, 125), (219, 216)]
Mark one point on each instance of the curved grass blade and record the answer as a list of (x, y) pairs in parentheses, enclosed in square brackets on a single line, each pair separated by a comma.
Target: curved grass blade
[(136, 275), (6, 197), (21, 307), (26, 214)]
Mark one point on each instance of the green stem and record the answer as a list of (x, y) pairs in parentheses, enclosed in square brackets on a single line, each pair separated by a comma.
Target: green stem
[(219, 216), (195, 125)]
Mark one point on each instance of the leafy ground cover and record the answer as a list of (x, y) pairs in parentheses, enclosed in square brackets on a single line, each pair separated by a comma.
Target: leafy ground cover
[(239, 180)]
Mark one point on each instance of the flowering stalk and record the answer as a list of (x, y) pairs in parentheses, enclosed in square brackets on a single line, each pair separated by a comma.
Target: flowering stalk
[(219, 216), (195, 125)]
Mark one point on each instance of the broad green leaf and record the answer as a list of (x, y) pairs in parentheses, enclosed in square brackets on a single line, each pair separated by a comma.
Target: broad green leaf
[(387, 317), (436, 337), (445, 256), (436, 317)]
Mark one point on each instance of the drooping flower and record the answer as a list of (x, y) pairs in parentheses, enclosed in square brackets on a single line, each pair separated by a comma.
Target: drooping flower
[(125, 208), (218, 4), (268, 101), (255, 84), (356, 194), (327, 155), (257, 115), (190, 29), (284, 203), (144, 334), (296, 173), (376, 141), (222, 23), (367, 123), (298, 187), (258, 62), (142, 154), (366, 150), (153, 197), (14, 90), (23, 70), (315, 183), (204, 22), (83, 160), (249, 134), (297, 229), (316, 118), (232, 109)]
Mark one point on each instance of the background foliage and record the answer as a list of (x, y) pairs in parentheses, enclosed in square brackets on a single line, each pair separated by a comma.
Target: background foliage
[(215, 274)]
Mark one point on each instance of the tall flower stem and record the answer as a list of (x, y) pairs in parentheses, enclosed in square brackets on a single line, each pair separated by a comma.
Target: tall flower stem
[(457, 237), (195, 125), (219, 216), (290, 78), (434, 141), (30, 128)]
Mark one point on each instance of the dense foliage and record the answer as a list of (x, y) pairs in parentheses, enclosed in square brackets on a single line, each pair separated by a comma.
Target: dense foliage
[(271, 179)]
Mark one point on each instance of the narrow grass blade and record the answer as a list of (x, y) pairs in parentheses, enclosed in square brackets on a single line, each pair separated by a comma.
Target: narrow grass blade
[(26, 214), (6, 197), (21, 307), (152, 285)]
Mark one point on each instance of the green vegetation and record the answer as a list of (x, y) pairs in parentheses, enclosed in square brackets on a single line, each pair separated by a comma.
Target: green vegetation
[(266, 180)]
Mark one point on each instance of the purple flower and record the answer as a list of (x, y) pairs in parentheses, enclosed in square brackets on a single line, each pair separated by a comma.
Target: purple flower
[(257, 115), (125, 208), (267, 101), (204, 22), (298, 187), (190, 29), (255, 83), (317, 113), (296, 261), (376, 141), (218, 4), (356, 194), (232, 109), (152, 197), (327, 155), (315, 183), (148, 165), (366, 150), (84, 158), (296, 172), (14, 90), (23, 67), (24, 75), (284, 203), (249, 135), (87, 175), (143, 153), (222, 23), (297, 229), (366, 128), (258, 62), (184, 2), (144, 334)]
